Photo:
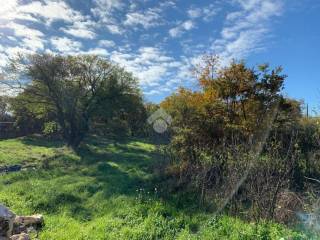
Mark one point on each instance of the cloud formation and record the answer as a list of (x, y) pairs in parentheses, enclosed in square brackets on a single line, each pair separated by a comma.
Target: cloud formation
[(246, 29), (156, 40), (181, 28)]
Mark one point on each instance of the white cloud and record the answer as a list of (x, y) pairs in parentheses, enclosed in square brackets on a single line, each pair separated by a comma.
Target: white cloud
[(42, 12), (115, 29), (149, 54), (151, 65), (175, 32), (210, 11), (106, 43), (97, 51), (109, 5), (206, 13), (104, 10), (187, 25), (119, 17), (82, 29), (167, 4), (246, 29), (194, 12), (181, 28), (3, 59), (34, 44), (53, 11), (65, 45), (9, 11), (22, 30), (48, 10), (30, 38), (147, 19), (7, 7)]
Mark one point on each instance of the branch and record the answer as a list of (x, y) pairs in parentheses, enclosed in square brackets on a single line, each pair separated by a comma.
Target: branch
[(312, 179)]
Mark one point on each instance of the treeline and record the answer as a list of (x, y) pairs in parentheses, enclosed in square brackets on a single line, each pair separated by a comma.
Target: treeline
[(235, 144)]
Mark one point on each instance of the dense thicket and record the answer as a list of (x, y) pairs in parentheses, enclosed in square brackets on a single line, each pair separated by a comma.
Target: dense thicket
[(238, 142)]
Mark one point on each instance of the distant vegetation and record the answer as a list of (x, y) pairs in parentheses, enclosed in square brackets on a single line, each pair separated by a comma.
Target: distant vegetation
[(235, 147)]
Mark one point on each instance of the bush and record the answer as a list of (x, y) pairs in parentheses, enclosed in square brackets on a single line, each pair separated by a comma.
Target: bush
[(238, 143)]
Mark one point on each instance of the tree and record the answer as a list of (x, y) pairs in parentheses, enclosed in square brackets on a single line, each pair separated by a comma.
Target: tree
[(4, 108), (72, 90), (219, 132)]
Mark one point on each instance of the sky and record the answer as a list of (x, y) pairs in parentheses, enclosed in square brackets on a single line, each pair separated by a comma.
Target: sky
[(160, 41)]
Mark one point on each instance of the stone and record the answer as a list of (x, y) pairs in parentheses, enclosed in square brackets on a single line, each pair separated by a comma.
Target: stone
[(22, 236), (6, 222), (28, 221), (17, 229)]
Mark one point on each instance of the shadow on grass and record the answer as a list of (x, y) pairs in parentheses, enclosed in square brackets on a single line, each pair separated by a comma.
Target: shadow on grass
[(120, 165), (97, 183), (41, 141), (115, 167), (126, 152), (100, 141), (123, 169)]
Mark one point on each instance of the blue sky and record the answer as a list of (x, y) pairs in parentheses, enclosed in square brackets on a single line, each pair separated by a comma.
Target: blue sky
[(159, 41)]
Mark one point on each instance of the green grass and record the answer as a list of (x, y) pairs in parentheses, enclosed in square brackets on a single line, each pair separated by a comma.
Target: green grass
[(107, 191), (26, 150)]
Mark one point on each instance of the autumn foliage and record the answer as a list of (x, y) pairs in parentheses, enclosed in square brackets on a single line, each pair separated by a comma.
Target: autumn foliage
[(237, 141)]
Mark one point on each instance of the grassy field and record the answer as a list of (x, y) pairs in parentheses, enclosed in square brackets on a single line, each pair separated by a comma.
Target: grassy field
[(107, 191)]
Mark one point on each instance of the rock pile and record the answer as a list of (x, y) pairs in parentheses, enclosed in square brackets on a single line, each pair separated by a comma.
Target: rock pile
[(13, 227)]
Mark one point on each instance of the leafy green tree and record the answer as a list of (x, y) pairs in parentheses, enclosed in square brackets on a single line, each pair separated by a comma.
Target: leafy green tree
[(73, 90)]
